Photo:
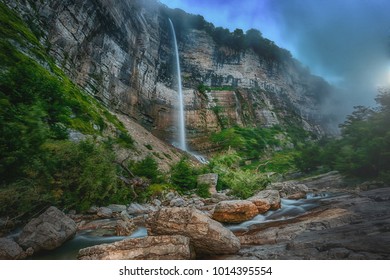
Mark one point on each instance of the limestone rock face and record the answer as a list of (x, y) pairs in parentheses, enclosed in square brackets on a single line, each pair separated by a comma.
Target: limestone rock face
[(121, 53), (173, 247), (207, 236), (234, 211), (47, 232), (272, 196)]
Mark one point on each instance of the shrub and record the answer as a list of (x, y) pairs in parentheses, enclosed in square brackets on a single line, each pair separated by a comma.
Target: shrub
[(203, 190), (183, 175), (147, 168)]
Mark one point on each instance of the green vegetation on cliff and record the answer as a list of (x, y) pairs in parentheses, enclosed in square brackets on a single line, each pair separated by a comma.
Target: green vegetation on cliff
[(40, 109)]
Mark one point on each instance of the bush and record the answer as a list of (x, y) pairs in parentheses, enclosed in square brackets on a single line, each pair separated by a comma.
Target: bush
[(183, 175), (242, 183), (203, 190), (147, 168), (157, 191), (80, 174)]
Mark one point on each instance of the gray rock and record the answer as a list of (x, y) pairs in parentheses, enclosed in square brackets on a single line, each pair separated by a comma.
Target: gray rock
[(10, 250), (47, 232), (220, 196), (169, 196), (157, 202), (207, 236), (140, 209), (125, 216), (330, 180), (93, 210), (289, 189), (173, 247), (177, 202), (104, 212), (117, 208), (272, 196)]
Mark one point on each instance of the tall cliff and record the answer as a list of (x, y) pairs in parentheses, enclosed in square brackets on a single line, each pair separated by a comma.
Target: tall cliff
[(121, 53)]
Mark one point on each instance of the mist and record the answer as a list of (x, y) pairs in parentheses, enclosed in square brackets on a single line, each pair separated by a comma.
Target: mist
[(343, 41)]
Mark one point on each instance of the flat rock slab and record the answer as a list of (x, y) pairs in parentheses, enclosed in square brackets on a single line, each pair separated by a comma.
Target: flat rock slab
[(172, 247), (351, 226)]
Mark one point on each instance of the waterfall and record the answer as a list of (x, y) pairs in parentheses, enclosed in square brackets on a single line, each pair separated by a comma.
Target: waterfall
[(182, 143)]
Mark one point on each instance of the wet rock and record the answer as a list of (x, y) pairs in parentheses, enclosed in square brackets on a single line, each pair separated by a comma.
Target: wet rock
[(234, 211), (124, 228), (349, 226), (172, 247), (47, 232), (104, 212), (262, 204), (210, 179), (207, 236), (272, 196), (10, 250), (298, 195)]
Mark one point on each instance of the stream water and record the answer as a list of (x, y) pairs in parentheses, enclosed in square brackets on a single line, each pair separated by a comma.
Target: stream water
[(70, 249), (289, 209)]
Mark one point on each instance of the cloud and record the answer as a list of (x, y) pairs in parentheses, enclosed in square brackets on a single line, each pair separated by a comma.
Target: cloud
[(343, 41)]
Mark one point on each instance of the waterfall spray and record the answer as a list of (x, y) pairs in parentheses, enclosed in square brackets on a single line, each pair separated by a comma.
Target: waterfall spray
[(182, 143)]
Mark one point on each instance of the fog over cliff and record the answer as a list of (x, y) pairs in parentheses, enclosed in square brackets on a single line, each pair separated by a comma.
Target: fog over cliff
[(344, 41)]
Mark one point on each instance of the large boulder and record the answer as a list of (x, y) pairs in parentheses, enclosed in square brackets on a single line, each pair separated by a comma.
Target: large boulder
[(174, 247), (47, 232), (10, 250), (207, 236), (272, 196), (262, 204), (234, 211)]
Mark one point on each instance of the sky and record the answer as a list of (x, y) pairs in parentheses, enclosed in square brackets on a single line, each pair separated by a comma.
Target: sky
[(344, 41)]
